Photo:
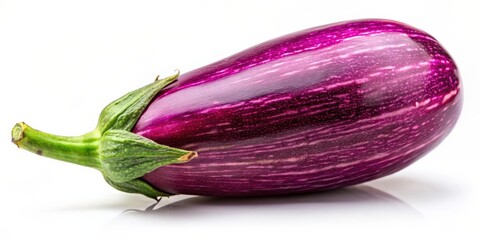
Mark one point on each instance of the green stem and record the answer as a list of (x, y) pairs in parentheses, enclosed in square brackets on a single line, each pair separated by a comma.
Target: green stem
[(120, 155), (81, 150)]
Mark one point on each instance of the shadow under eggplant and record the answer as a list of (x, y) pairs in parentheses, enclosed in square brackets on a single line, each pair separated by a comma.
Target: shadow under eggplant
[(355, 201)]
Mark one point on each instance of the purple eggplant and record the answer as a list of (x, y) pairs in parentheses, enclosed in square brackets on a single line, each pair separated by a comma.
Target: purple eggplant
[(318, 109)]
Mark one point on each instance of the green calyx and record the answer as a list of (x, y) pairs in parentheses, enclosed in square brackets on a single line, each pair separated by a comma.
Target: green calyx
[(120, 155)]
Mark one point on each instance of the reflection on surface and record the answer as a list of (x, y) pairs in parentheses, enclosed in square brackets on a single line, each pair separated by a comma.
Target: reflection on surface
[(349, 204)]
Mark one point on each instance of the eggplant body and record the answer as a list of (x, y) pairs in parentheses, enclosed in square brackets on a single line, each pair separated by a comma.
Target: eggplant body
[(318, 109)]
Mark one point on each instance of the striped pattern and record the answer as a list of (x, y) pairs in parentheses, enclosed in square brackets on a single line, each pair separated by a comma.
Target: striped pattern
[(319, 109)]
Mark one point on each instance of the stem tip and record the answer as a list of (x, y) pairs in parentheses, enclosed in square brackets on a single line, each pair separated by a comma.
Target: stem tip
[(18, 132)]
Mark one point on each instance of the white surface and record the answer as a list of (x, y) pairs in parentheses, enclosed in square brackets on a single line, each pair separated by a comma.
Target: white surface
[(61, 62)]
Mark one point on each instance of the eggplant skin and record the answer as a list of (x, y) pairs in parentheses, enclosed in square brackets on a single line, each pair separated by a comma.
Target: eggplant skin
[(318, 109)]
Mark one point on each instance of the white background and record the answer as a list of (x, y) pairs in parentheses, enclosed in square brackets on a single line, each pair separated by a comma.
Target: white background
[(61, 62)]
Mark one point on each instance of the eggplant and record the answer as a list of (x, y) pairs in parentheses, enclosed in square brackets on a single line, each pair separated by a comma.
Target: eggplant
[(319, 109)]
